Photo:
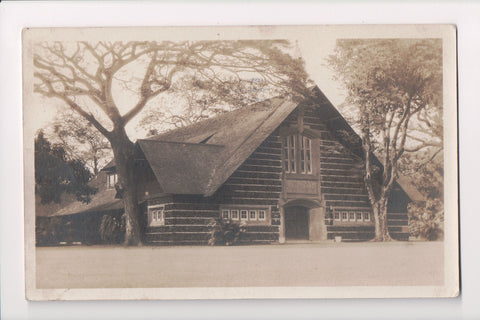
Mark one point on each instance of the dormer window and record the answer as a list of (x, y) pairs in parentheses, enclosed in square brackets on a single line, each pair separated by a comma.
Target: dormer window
[(297, 154), (112, 179)]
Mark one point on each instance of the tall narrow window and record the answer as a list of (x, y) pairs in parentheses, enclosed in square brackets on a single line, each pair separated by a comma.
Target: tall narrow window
[(289, 154), (112, 180), (297, 154), (306, 155)]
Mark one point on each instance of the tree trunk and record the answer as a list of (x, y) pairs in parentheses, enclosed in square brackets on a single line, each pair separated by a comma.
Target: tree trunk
[(381, 223), (95, 165), (376, 217), (124, 152)]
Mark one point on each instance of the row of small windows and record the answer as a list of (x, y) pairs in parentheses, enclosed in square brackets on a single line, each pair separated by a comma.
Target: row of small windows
[(244, 214), (351, 216), (297, 154)]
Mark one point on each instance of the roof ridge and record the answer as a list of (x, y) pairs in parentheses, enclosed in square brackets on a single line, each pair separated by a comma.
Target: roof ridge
[(214, 118), (180, 142), (210, 189), (222, 164)]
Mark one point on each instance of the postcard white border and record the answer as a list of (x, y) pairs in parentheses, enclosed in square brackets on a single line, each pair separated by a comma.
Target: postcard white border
[(15, 16), (445, 32)]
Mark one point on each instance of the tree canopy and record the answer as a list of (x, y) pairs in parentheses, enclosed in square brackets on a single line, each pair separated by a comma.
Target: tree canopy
[(394, 91), (55, 174), (80, 140)]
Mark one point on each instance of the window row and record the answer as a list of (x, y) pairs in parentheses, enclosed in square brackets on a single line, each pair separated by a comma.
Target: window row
[(244, 214), (351, 216)]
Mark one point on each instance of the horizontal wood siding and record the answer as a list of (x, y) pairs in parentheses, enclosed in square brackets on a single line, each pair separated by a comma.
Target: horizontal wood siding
[(257, 182), (186, 221)]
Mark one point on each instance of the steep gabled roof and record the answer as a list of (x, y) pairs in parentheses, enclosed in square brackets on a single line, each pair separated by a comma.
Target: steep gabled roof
[(215, 147), (181, 168)]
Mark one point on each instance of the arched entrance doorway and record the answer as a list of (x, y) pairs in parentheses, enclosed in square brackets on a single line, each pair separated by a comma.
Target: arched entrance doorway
[(296, 223)]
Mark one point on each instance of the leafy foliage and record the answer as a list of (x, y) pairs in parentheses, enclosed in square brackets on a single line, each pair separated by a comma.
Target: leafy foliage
[(49, 231), (197, 100), (112, 229), (56, 174), (81, 140), (225, 232), (391, 85), (426, 220)]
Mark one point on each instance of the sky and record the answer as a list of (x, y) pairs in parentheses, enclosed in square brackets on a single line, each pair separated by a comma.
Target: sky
[(315, 64)]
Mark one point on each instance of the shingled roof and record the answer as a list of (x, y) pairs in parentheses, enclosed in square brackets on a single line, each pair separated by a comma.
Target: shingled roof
[(199, 158), (103, 200)]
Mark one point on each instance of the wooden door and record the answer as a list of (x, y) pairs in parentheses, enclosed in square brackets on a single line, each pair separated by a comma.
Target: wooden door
[(296, 223)]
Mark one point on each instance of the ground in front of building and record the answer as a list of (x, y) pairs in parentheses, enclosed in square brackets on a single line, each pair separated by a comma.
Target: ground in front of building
[(295, 264)]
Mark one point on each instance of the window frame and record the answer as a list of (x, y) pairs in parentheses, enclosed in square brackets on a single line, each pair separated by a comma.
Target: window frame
[(296, 156), (305, 162), (264, 215), (157, 211), (350, 214), (250, 215), (115, 180), (237, 214), (359, 216), (223, 214), (246, 214), (336, 216), (364, 218)]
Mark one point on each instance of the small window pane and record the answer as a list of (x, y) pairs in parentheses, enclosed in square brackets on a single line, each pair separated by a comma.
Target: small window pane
[(337, 215), (243, 214), (352, 216), (344, 216), (234, 214), (157, 215), (366, 216), (225, 214), (253, 215), (359, 216), (261, 215)]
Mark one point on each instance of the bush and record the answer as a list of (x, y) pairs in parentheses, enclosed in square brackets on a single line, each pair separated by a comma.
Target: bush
[(225, 232), (112, 229), (48, 231), (426, 220)]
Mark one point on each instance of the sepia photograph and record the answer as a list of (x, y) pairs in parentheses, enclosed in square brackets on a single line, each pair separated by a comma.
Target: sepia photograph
[(240, 162)]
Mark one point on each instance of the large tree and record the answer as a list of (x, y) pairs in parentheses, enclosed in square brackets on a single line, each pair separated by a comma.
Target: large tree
[(80, 140), (56, 174), (395, 89), (198, 99), (84, 75)]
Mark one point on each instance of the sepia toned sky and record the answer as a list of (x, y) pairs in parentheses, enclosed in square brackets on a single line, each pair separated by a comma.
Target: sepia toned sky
[(315, 64), (313, 43)]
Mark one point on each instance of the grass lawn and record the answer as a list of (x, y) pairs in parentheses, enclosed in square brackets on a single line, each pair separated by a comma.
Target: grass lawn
[(318, 264)]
